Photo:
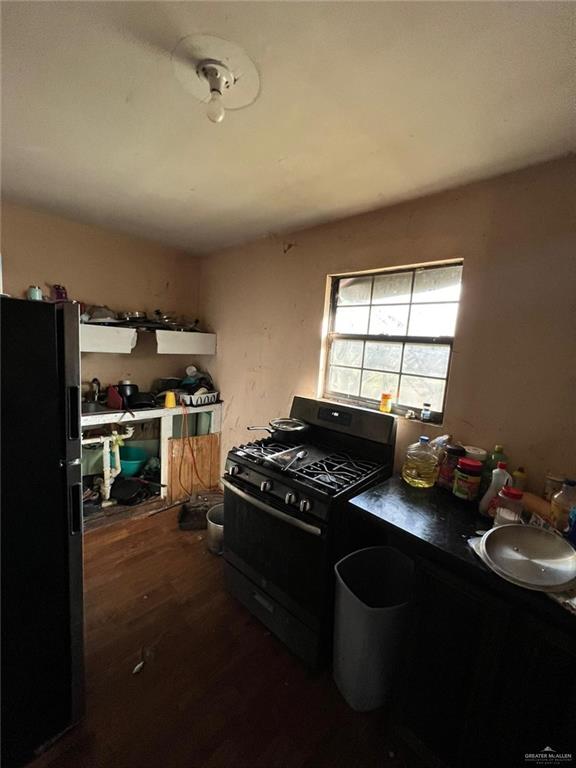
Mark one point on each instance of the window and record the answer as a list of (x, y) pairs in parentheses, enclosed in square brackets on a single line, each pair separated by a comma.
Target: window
[(393, 332)]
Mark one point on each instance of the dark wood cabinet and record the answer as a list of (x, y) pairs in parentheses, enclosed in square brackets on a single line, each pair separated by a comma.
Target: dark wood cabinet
[(484, 682), (534, 703), (450, 668), (489, 673)]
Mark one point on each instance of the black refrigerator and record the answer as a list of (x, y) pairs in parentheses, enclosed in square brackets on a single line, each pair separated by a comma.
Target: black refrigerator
[(41, 519)]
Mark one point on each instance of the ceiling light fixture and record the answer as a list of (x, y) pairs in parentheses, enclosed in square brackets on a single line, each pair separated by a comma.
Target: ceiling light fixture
[(216, 72), (219, 79)]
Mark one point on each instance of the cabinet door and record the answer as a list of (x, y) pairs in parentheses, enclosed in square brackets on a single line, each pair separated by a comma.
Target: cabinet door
[(451, 665), (535, 702)]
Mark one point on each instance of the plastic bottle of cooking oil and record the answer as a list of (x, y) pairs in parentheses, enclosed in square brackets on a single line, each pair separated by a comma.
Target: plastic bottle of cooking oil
[(421, 464)]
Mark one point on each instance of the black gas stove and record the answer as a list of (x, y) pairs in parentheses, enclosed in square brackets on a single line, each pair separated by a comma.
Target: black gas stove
[(282, 502)]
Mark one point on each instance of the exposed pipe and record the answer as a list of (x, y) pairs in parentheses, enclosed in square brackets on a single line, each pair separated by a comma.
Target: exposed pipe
[(109, 442)]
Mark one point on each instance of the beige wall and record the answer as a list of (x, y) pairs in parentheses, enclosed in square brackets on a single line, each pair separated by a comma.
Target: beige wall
[(101, 267), (513, 377)]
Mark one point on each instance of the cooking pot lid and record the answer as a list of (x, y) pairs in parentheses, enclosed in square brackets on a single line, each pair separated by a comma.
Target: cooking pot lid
[(530, 557)]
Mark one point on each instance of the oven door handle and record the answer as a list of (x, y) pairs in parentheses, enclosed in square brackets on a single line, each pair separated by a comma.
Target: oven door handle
[(294, 521)]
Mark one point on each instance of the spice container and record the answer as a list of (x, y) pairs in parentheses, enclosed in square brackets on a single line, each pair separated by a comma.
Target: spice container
[(386, 402), (508, 506), (467, 479), (446, 472)]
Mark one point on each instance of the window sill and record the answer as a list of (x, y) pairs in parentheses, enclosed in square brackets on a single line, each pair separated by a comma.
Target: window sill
[(375, 409)]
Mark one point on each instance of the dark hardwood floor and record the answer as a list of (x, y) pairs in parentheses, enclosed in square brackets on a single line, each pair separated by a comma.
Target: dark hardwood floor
[(216, 689)]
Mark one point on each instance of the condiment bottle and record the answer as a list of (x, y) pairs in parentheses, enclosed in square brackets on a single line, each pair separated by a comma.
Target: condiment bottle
[(508, 506), (561, 504), (448, 464), (386, 402), (467, 479), (490, 465), (519, 478), (426, 412), (500, 478)]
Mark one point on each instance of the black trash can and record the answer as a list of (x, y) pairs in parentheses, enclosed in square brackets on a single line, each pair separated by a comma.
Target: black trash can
[(374, 588)]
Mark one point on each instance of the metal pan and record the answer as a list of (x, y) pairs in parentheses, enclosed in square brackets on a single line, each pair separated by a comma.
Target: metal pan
[(285, 429)]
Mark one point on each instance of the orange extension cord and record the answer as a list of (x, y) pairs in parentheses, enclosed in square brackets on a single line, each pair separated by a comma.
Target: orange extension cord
[(185, 431)]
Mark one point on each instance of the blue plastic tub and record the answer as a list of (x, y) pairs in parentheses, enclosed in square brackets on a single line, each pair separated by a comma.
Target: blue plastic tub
[(132, 459)]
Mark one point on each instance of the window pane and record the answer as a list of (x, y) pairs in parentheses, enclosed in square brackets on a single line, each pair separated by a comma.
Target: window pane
[(441, 284), (392, 289), (354, 290), (433, 320), (375, 383), (345, 352), (415, 391), (383, 355), (352, 319), (389, 320), (344, 380), (426, 359)]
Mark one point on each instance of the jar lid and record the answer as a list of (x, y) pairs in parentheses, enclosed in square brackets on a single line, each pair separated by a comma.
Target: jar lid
[(470, 465), (512, 493), (455, 450), (472, 452)]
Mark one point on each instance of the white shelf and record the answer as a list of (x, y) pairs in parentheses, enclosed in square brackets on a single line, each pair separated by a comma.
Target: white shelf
[(107, 338), (185, 343), (111, 339), (147, 414)]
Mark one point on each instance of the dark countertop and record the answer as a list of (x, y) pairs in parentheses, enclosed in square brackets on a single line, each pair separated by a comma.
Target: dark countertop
[(432, 515), (439, 525)]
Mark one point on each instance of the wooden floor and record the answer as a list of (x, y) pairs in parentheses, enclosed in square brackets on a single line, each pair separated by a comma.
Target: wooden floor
[(216, 689)]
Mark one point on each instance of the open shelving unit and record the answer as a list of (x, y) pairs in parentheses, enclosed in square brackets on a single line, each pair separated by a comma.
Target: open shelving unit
[(121, 340)]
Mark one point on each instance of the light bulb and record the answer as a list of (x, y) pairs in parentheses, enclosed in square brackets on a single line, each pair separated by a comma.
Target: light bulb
[(215, 110)]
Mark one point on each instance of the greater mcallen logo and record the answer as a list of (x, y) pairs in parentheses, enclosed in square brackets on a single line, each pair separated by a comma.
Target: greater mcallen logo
[(548, 756)]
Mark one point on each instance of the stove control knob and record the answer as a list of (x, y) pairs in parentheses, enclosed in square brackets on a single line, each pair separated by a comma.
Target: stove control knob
[(305, 505), (290, 498), (233, 469), (265, 485)]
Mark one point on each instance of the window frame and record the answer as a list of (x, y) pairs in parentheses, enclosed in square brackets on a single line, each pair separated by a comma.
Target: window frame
[(332, 335)]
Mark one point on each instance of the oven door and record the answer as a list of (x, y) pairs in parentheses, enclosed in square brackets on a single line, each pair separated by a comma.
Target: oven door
[(283, 555)]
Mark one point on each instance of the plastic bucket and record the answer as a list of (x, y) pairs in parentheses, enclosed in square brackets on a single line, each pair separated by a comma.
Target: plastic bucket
[(132, 459), (215, 520)]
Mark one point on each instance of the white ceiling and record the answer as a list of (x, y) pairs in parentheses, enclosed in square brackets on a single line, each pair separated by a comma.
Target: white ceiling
[(362, 104)]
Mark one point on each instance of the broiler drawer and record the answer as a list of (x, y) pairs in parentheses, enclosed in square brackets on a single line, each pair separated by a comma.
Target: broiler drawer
[(301, 640)]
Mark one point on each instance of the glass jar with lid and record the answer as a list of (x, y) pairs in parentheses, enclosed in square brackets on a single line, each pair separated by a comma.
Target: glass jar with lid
[(452, 452)]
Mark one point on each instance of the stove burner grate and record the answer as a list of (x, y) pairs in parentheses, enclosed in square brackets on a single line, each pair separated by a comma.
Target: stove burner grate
[(336, 472), (260, 450)]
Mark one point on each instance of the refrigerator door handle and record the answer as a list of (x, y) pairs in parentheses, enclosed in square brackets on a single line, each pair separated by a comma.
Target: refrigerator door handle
[(75, 492), (73, 413)]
